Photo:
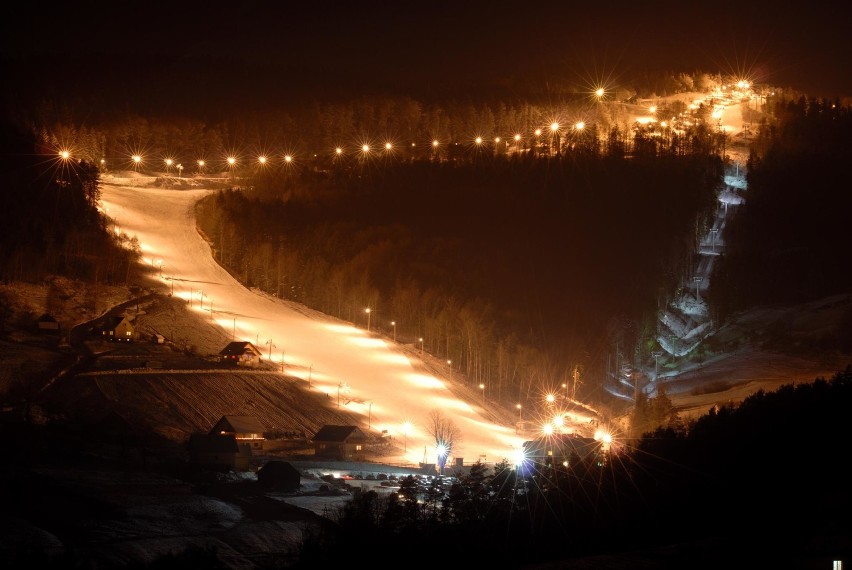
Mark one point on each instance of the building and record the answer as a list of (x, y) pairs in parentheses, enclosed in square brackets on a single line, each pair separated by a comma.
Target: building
[(343, 443), (562, 449), (217, 452), (118, 329), (47, 324), (241, 354), (279, 476), (246, 430)]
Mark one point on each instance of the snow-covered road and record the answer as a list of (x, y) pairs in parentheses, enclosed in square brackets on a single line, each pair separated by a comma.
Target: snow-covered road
[(370, 374)]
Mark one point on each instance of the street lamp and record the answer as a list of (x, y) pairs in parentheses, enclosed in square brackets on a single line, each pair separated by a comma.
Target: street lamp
[(367, 310), (393, 324), (550, 398), (450, 364), (656, 354), (168, 162), (421, 347), (520, 418), (482, 387)]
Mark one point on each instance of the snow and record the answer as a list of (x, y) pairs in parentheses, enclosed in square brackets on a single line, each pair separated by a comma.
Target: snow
[(371, 375)]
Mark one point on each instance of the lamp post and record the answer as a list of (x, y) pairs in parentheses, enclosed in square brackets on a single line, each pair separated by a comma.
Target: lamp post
[(367, 310), (393, 324), (520, 418), (421, 347), (656, 354), (482, 387), (369, 414)]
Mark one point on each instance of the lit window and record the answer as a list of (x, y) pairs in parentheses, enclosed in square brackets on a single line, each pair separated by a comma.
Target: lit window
[(358, 447)]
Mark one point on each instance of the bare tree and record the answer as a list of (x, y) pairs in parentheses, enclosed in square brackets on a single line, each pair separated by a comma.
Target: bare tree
[(447, 436)]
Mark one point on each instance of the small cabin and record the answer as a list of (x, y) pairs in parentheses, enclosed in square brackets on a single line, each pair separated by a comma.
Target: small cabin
[(343, 443), (241, 354), (216, 452), (47, 324), (246, 430), (118, 329)]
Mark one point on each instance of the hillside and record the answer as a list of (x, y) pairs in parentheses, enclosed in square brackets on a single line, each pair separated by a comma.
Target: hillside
[(188, 392)]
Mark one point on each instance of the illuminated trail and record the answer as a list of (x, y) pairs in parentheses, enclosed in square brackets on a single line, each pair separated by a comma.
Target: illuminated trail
[(364, 373)]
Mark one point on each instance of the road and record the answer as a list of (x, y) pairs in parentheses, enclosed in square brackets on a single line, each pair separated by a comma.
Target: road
[(365, 372)]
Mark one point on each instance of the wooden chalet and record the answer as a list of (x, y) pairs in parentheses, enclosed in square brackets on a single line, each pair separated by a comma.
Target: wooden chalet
[(47, 324), (241, 354), (118, 329), (343, 443), (246, 430)]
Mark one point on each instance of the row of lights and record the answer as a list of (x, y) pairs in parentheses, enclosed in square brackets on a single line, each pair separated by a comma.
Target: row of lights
[(365, 149)]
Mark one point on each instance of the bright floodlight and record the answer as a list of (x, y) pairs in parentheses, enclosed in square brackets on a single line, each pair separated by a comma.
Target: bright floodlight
[(537, 132), (478, 140), (599, 91), (232, 161), (338, 150), (169, 162), (388, 146), (517, 138), (441, 450), (580, 125), (497, 140), (201, 164), (65, 155), (288, 158), (547, 429), (550, 398), (652, 109), (365, 148), (435, 144), (554, 126), (261, 159), (137, 159)]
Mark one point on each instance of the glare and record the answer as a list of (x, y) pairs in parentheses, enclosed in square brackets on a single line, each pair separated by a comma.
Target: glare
[(554, 127), (288, 159), (261, 159), (64, 154), (338, 150), (517, 137), (579, 125), (599, 92), (232, 161), (137, 159), (365, 148), (388, 146), (435, 144), (478, 140), (537, 132)]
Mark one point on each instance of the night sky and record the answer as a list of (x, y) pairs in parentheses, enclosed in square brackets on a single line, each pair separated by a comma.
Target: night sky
[(154, 54)]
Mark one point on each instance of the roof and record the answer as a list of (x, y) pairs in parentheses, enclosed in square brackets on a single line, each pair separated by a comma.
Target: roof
[(238, 348), (238, 424), (112, 322), (339, 434)]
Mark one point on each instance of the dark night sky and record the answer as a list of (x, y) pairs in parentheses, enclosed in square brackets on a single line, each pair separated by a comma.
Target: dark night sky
[(268, 51)]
